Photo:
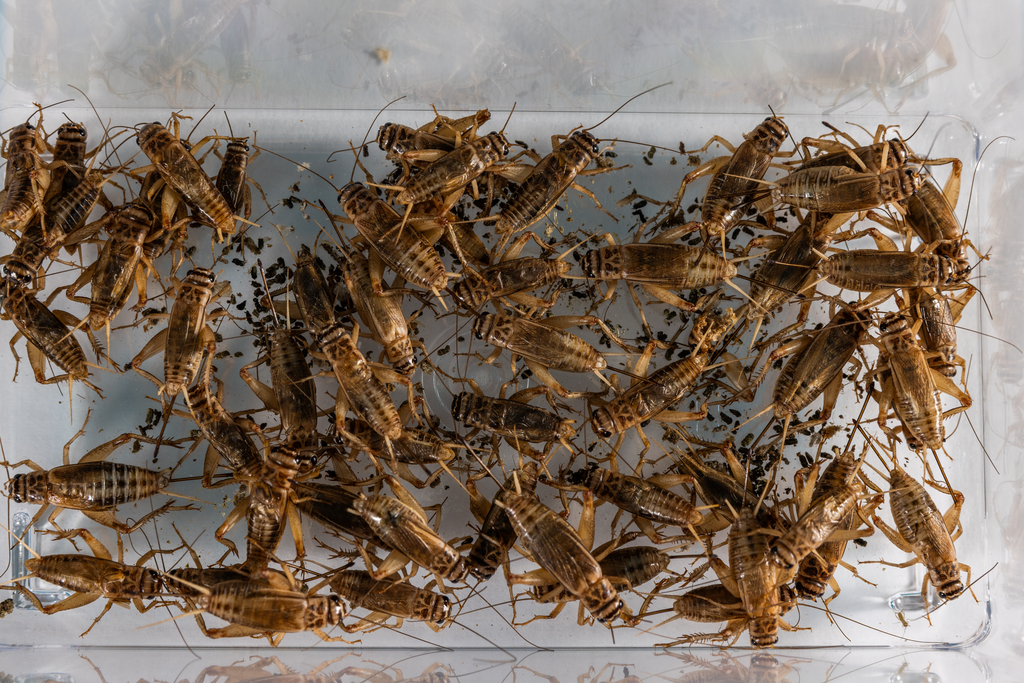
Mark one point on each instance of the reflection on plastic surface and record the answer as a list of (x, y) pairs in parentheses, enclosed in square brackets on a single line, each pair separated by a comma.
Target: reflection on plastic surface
[(915, 677), (47, 593), (45, 678), (803, 55), (438, 666), (851, 51), (1005, 421)]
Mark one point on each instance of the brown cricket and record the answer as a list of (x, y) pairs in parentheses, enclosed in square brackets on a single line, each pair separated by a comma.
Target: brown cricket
[(406, 530), (496, 536), (180, 170), (556, 547), (185, 337), (388, 597), (816, 570), (405, 251)]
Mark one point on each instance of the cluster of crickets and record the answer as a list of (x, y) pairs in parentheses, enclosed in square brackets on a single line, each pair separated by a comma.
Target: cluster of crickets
[(345, 417)]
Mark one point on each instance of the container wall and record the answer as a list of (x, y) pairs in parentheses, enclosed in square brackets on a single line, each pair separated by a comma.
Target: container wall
[(798, 56), (315, 73), (890, 666)]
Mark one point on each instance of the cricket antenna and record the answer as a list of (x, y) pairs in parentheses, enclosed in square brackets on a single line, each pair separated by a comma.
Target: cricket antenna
[(970, 194), (21, 542), (305, 168), (189, 136), (624, 104), (7, 466), (916, 129), (167, 418), (105, 130), (40, 108), (263, 275), (502, 131), (365, 137)]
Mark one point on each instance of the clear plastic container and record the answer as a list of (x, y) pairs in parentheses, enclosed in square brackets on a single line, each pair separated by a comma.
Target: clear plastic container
[(316, 74)]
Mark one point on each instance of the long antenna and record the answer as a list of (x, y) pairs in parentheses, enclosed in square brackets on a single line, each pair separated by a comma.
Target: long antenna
[(502, 131), (624, 104), (189, 136), (263, 275)]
